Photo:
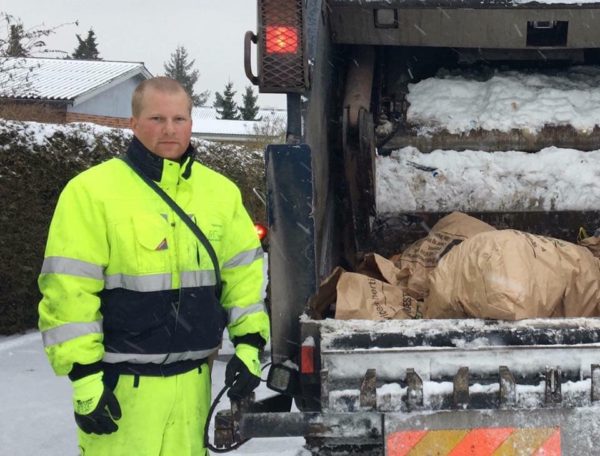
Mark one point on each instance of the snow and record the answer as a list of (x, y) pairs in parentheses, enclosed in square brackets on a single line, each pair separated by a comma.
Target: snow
[(551, 179), (36, 416), (472, 180), (503, 100), (38, 134), (391, 397), (516, 2)]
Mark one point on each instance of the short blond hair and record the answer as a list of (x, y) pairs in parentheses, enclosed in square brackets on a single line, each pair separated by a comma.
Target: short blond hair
[(160, 83)]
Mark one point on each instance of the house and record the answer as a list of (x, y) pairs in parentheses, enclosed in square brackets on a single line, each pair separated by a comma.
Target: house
[(207, 125), (66, 90)]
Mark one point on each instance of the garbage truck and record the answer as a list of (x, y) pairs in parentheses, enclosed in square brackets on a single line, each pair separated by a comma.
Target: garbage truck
[(348, 69)]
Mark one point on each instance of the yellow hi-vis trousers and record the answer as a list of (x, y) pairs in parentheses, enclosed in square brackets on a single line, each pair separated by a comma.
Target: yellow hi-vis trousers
[(162, 416)]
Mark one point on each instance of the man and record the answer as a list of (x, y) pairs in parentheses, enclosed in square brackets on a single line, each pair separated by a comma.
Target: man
[(130, 310)]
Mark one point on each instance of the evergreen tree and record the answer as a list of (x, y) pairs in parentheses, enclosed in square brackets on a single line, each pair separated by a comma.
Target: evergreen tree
[(226, 107), (249, 110), (17, 42), (180, 69), (87, 49), (14, 47)]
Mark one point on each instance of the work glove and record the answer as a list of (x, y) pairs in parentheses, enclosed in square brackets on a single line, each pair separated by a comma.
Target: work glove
[(242, 373), (96, 407)]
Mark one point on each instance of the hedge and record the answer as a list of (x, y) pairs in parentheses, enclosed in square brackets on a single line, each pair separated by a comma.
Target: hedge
[(37, 160)]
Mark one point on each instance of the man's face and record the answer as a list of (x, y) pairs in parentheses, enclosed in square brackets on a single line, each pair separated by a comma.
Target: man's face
[(164, 124)]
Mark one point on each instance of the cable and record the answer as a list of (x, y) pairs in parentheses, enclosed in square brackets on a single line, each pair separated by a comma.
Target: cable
[(207, 443)]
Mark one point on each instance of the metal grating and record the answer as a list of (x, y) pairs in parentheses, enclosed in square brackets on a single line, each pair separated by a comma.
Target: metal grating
[(281, 70)]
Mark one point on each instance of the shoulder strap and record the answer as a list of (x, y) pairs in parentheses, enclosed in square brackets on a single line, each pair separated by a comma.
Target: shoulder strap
[(186, 219)]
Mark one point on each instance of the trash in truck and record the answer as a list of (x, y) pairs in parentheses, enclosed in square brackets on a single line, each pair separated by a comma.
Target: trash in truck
[(374, 292), (465, 268), (512, 275), (421, 257)]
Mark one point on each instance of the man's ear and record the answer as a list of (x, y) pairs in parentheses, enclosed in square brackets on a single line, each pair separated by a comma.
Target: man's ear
[(133, 123)]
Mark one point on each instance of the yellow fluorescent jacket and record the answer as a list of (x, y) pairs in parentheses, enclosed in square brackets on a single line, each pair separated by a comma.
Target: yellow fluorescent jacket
[(125, 281)]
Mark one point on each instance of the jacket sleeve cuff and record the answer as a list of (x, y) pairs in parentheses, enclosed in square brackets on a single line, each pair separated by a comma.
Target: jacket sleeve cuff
[(253, 339), (83, 370)]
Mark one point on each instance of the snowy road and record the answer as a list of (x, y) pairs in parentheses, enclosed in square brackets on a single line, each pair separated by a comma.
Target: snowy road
[(35, 413)]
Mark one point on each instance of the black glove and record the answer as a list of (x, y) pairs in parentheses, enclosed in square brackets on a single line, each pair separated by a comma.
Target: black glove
[(241, 379), (96, 407)]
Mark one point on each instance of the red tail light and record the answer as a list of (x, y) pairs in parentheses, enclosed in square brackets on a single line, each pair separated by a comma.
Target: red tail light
[(281, 39), (261, 231), (307, 359)]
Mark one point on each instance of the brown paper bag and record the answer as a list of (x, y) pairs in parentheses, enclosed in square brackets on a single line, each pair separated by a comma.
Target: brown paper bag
[(592, 243), (362, 297), (511, 275), (371, 294), (323, 300), (421, 257), (380, 268)]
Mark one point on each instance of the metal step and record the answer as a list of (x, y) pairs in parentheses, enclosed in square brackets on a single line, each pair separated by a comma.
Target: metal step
[(494, 141)]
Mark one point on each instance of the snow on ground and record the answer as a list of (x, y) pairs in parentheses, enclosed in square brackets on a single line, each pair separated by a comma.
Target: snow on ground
[(35, 405), (444, 180)]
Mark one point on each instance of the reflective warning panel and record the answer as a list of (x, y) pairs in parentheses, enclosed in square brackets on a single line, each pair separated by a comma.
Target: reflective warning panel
[(475, 442)]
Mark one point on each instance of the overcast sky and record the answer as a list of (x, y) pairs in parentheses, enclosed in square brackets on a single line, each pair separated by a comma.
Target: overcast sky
[(149, 31)]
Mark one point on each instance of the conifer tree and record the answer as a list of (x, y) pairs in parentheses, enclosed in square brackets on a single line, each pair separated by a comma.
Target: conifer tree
[(87, 49), (16, 35), (249, 109), (226, 107), (180, 69), (16, 43)]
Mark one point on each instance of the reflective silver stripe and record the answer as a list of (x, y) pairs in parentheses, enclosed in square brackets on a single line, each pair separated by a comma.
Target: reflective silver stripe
[(137, 358), (191, 279), (70, 331), (237, 312), (63, 265), (153, 282), (244, 258)]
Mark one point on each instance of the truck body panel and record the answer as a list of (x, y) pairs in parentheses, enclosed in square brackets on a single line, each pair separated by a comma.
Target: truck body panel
[(366, 387)]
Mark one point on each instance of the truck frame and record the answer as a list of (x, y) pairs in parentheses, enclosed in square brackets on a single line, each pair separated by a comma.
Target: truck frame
[(402, 387)]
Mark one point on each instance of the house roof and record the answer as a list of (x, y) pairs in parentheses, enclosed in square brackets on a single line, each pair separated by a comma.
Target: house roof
[(63, 79), (205, 122), (200, 113)]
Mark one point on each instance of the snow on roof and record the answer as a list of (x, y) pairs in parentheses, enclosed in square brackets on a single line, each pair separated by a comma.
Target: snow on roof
[(205, 121), (209, 112), (62, 79)]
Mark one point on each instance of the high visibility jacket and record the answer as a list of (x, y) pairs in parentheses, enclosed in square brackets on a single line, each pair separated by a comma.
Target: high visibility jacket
[(126, 282)]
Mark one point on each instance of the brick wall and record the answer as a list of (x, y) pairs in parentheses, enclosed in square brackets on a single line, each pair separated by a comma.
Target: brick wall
[(117, 122), (54, 113), (33, 111)]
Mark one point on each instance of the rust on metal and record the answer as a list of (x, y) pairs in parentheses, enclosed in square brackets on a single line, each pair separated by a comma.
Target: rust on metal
[(595, 382), (368, 390), (508, 387), (553, 393), (414, 396), (461, 388)]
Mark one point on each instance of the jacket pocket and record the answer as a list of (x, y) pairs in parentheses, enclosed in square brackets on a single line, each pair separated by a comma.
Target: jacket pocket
[(151, 242), (139, 244)]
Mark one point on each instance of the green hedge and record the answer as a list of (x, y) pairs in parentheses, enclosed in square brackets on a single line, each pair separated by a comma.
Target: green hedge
[(36, 161)]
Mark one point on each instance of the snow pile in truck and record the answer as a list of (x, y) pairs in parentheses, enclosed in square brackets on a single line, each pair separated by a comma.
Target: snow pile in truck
[(505, 100), (476, 181), (497, 140)]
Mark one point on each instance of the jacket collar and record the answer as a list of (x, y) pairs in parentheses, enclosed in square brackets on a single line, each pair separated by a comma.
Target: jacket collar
[(152, 165)]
